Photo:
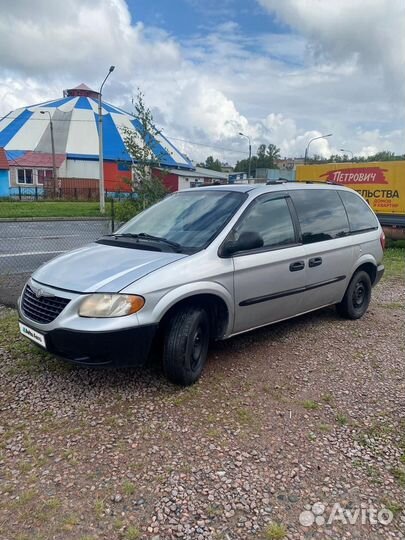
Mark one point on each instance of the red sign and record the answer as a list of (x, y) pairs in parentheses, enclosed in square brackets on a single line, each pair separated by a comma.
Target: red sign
[(357, 175)]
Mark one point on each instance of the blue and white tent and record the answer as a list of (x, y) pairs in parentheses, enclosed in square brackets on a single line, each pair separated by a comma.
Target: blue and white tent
[(74, 119)]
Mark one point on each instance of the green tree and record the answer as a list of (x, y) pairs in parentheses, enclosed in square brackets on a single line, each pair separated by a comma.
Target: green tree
[(266, 158), (385, 155), (147, 171), (211, 163), (273, 154)]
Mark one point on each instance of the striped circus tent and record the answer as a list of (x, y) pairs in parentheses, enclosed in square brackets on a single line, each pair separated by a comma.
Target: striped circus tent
[(74, 120)]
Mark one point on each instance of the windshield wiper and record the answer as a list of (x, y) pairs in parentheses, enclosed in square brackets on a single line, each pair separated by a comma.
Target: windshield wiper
[(147, 236)]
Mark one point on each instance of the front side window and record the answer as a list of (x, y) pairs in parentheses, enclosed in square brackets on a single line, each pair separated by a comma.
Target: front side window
[(361, 217), (270, 218), (321, 214), (25, 176), (189, 218)]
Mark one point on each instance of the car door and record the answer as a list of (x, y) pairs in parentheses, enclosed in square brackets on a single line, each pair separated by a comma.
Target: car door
[(328, 247), (268, 281)]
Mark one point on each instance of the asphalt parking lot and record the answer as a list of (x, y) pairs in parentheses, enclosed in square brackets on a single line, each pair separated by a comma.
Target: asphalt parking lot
[(25, 245), (285, 424)]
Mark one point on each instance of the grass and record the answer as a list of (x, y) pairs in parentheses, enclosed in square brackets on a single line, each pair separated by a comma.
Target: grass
[(99, 508), (275, 531), (27, 358), (70, 522), (128, 488), (394, 506), (341, 419), (310, 405), (41, 209), (394, 261), (327, 398), (399, 475), (132, 533)]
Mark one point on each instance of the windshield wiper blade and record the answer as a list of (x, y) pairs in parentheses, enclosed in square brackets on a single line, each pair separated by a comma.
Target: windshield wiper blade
[(175, 245), (147, 236)]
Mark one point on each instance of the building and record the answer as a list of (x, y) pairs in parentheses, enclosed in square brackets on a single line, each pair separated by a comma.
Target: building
[(226, 168), (4, 174), (177, 179), (25, 135)]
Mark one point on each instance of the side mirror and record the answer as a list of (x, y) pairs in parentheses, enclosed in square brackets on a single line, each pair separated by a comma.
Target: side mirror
[(247, 240)]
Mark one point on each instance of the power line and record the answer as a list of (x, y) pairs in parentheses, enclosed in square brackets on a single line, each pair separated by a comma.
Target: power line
[(207, 145)]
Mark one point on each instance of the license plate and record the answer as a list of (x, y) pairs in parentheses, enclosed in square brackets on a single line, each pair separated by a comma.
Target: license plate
[(33, 335)]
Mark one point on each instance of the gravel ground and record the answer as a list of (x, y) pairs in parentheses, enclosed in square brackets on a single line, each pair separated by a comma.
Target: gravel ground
[(299, 417)]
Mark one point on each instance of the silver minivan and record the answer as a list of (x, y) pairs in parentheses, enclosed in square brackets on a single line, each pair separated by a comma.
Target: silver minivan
[(205, 264)]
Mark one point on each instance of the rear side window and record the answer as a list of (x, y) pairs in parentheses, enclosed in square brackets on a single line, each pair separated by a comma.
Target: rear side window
[(321, 214), (361, 217)]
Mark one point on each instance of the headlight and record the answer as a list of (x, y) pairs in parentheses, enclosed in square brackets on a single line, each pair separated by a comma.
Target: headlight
[(110, 305)]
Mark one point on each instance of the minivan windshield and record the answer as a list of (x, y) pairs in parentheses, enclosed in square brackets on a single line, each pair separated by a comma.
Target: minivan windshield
[(190, 219)]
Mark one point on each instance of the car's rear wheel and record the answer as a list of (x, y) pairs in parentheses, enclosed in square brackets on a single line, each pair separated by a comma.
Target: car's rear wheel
[(357, 297), (186, 342)]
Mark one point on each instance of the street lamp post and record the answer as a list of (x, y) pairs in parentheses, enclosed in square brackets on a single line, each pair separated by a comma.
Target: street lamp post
[(350, 152), (250, 151), (53, 149), (314, 139), (100, 143)]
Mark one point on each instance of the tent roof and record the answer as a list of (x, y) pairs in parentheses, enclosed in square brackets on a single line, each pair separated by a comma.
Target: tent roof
[(74, 121)]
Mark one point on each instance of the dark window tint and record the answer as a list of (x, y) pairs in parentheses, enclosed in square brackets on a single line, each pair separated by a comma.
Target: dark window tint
[(271, 219), (321, 214), (360, 215)]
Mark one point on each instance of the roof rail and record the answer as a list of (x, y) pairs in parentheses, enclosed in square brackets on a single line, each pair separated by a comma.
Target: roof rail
[(279, 181), (319, 182)]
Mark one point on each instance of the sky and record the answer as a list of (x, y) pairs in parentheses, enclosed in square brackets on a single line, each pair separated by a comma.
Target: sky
[(280, 71)]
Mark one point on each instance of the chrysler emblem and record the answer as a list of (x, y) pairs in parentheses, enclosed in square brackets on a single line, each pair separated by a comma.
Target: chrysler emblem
[(39, 293)]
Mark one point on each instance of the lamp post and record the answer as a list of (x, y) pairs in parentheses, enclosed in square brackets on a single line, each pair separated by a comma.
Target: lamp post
[(314, 139), (100, 143), (250, 151), (53, 149), (350, 152)]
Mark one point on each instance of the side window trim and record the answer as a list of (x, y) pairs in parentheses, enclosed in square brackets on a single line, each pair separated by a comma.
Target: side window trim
[(267, 197), (295, 220), (346, 212)]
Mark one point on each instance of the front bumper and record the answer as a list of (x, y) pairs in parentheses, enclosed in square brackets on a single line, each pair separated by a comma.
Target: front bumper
[(118, 348)]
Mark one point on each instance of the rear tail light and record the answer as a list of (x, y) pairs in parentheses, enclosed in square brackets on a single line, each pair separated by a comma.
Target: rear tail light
[(382, 239)]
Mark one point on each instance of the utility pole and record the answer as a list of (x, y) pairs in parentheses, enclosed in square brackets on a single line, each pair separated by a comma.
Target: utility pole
[(53, 150), (314, 139), (349, 151), (100, 143), (250, 152)]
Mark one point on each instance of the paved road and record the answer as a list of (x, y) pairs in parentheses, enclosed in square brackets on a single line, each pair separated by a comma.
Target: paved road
[(25, 245)]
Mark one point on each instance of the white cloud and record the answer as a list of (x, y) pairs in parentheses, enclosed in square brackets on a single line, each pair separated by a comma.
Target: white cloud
[(341, 72), (368, 32)]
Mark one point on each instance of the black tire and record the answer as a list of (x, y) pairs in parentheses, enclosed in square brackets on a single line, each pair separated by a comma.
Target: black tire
[(185, 348), (357, 297)]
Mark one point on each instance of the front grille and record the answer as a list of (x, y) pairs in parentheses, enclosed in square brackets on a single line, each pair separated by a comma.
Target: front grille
[(42, 309)]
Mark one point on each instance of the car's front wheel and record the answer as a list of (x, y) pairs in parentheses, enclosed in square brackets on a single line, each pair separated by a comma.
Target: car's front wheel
[(357, 297), (186, 342)]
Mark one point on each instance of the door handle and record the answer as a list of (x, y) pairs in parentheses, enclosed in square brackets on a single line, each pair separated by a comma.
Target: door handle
[(296, 266), (316, 261)]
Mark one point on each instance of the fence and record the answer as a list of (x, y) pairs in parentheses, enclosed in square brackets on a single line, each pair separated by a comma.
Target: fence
[(53, 193), (25, 244)]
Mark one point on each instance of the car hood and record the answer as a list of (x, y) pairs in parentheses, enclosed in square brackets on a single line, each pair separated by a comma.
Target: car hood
[(101, 268)]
